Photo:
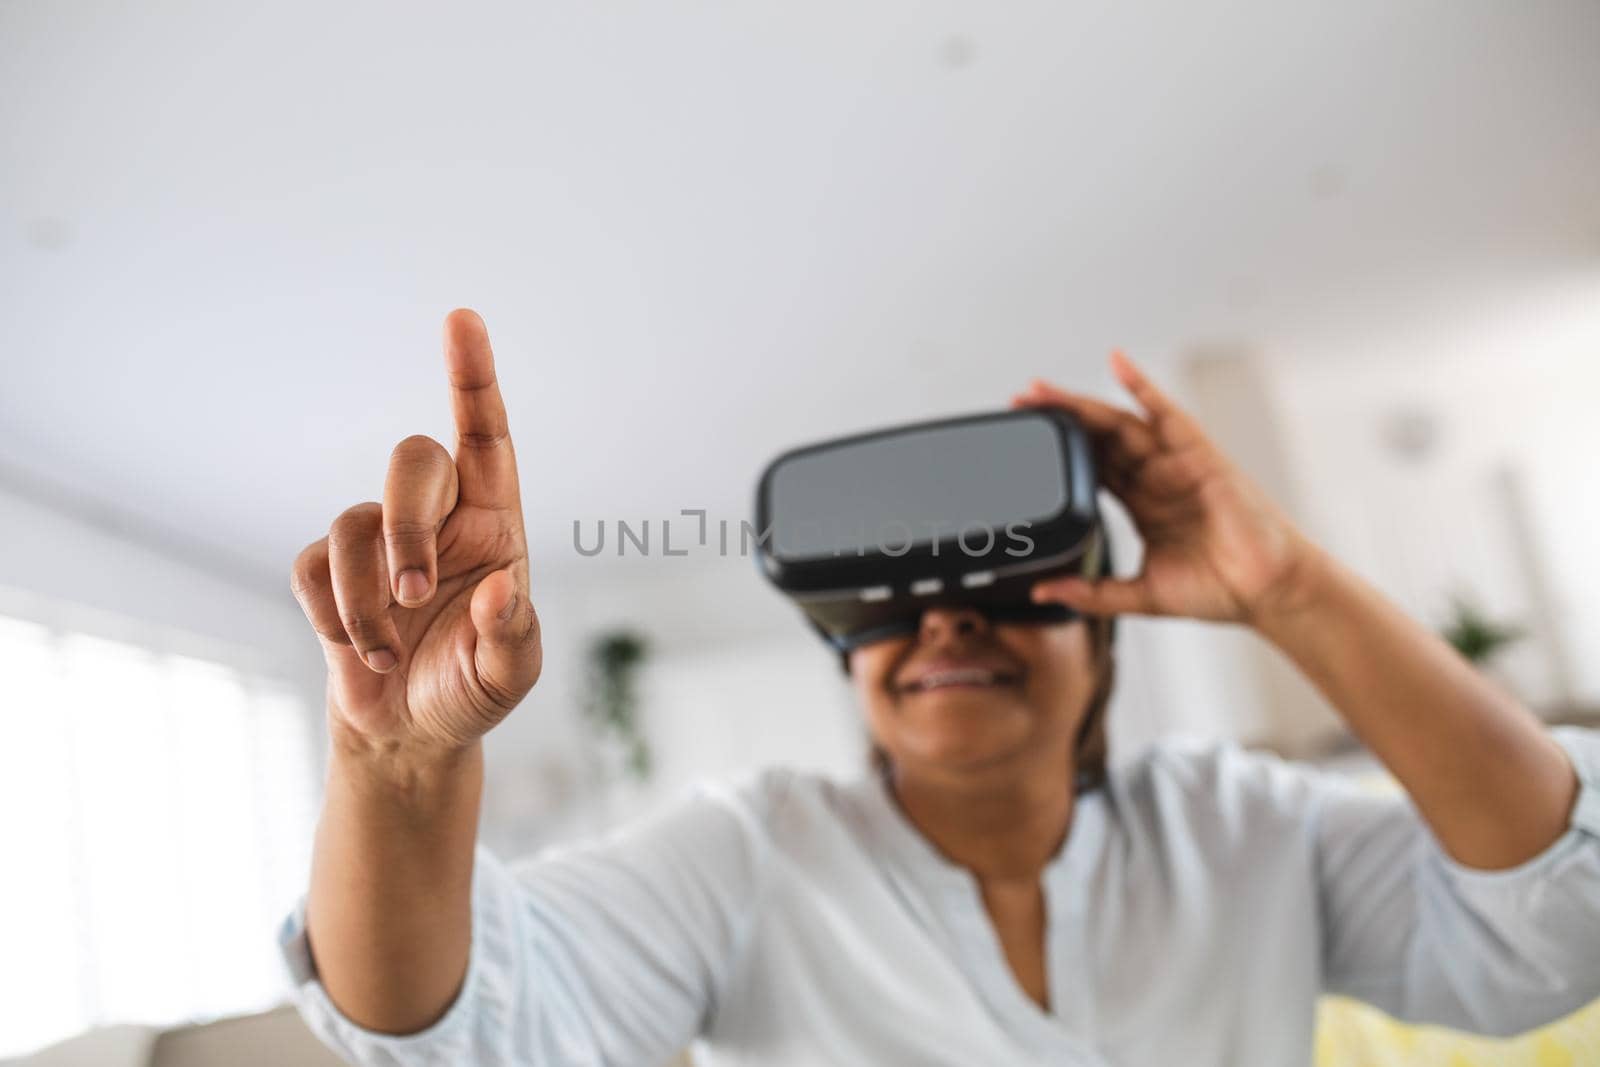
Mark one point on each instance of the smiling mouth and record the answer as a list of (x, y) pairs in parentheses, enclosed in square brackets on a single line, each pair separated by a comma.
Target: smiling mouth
[(960, 678)]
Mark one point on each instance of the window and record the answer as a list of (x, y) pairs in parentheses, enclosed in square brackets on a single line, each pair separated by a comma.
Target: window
[(155, 821)]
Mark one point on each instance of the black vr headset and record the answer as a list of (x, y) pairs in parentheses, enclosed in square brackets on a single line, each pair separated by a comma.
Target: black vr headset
[(865, 532)]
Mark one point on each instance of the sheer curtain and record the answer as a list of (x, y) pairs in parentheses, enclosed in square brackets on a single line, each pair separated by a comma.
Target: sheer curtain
[(155, 821)]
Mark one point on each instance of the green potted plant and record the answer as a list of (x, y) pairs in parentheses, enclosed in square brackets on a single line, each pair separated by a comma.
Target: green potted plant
[(1476, 636), (611, 695)]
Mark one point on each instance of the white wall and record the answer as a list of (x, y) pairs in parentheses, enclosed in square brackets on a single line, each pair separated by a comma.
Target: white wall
[(73, 570), (1509, 390)]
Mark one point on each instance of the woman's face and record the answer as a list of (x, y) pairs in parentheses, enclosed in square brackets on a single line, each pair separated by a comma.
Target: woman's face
[(964, 695)]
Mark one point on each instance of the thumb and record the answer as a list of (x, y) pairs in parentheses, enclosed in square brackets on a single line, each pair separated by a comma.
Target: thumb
[(509, 655), (1107, 596)]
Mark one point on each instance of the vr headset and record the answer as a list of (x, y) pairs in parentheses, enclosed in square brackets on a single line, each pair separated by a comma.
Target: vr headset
[(863, 533)]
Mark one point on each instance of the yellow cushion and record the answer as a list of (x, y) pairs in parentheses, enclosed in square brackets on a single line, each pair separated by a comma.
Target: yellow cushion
[(1351, 1034)]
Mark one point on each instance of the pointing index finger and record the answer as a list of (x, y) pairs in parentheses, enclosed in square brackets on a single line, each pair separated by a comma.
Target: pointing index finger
[(484, 458)]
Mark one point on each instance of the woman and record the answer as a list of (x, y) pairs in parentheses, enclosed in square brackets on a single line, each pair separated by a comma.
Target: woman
[(992, 896)]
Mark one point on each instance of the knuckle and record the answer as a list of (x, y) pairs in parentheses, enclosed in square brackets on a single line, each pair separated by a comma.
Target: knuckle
[(501, 696), (409, 533), (304, 586), (332, 634), (419, 447), (531, 631), (307, 571), (364, 627), (485, 439), (504, 696), (356, 523), (327, 627)]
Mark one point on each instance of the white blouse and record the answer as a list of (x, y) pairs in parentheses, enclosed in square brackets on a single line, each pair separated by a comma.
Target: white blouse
[(1203, 899)]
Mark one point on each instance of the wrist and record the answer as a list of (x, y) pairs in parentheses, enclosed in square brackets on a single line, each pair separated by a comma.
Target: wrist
[(409, 775), (1305, 583)]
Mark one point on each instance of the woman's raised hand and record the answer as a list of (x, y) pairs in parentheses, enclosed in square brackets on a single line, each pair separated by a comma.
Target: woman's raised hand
[(1215, 546), (421, 602)]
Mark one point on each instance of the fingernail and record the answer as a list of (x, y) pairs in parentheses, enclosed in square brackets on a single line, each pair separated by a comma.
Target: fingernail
[(381, 660), (413, 586), (511, 606)]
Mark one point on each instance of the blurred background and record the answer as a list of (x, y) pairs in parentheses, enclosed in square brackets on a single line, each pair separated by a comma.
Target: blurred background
[(1360, 240)]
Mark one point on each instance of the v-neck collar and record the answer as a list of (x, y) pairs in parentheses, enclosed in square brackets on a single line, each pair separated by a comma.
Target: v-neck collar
[(1070, 866), (954, 894)]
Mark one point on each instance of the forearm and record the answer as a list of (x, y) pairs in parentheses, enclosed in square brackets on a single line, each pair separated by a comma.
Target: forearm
[(389, 915), (1494, 787)]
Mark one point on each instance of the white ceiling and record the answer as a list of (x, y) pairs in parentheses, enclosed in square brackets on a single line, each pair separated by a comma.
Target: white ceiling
[(703, 232)]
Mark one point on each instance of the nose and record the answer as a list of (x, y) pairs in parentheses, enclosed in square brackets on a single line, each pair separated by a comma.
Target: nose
[(951, 622)]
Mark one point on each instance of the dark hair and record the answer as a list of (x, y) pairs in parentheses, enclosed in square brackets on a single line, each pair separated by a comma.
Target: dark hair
[(1089, 751)]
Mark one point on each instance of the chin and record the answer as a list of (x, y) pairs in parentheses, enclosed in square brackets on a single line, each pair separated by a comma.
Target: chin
[(960, 731)]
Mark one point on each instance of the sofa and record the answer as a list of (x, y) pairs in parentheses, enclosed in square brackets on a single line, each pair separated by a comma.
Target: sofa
[(275, 1038), (1349, 1035)]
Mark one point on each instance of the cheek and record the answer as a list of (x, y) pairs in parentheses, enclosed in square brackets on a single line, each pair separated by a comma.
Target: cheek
[(1058, 696), (870, 698), (871, 669), (1060, 666), (879, 714)]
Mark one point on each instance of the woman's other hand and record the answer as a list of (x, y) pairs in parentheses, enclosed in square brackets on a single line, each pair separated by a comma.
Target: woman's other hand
[(1215, 546)]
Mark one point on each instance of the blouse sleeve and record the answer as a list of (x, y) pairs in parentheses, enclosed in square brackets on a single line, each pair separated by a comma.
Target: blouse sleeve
[(1427, 939), (611, 952)]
